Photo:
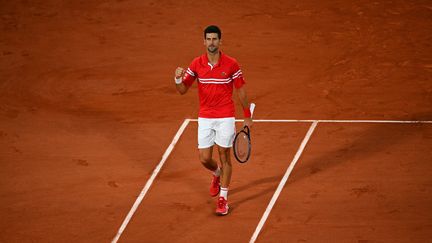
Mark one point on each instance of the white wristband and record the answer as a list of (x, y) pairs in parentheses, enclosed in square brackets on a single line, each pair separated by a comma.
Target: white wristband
[(178, 80)]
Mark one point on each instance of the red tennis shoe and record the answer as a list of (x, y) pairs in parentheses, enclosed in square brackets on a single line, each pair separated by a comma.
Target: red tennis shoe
[(222, 206), (215, 186)]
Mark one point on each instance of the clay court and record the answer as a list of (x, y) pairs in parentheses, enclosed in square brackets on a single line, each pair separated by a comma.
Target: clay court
[(89, 115)]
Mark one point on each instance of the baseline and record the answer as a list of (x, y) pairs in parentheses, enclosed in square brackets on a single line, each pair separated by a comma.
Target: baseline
[(331, 121)]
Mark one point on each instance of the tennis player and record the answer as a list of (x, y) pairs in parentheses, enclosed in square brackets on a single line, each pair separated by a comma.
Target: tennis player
[(217, 74)]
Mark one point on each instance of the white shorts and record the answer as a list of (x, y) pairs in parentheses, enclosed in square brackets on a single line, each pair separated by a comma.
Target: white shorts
[(216, 130)]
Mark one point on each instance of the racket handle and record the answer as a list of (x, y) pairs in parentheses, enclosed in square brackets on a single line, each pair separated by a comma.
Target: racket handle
[(252, 108)]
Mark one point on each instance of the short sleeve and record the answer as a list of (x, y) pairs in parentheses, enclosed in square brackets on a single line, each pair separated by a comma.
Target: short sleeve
[(237, 76), (190, 74)]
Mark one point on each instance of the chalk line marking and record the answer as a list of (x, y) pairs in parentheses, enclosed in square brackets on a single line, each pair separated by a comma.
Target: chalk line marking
[(282, 182), (331, 121), (150, 180)]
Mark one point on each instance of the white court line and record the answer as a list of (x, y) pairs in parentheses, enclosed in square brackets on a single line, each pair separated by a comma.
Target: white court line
[(150, 181), (331, 121), (282, 182)]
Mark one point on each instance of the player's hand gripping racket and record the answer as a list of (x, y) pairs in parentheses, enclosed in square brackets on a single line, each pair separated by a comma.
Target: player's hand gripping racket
[(242, 142)]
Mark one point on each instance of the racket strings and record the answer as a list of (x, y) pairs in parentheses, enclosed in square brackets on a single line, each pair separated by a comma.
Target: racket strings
[(242, 146)]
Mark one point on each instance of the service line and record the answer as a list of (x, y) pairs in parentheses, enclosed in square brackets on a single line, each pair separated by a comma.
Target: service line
[(150, 181), (282, 182)]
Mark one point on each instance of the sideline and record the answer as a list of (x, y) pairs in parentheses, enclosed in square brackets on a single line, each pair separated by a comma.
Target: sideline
[(150, 181), (282, 182)]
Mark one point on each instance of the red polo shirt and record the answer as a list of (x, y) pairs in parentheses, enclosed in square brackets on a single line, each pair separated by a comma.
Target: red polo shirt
[(215, 85)]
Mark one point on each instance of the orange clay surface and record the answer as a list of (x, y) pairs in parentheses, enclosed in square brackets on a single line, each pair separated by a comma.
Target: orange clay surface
[(88, 107)]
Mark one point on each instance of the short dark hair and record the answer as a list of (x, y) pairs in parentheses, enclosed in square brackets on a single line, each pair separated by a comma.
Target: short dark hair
[(213, 29)]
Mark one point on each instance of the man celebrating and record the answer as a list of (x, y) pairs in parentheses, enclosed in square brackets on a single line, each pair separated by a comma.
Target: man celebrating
[(217, 75)]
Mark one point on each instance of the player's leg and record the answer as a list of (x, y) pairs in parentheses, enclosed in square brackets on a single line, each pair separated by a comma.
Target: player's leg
[(206, 138), (224, 155), (206, 158), (225, 132), (226, 167), (209, 163)]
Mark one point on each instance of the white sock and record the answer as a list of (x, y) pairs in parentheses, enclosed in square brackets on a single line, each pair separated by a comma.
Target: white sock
[(217, 172), (224, 193)]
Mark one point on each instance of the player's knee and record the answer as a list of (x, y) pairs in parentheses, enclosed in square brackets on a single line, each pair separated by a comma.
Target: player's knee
[(224, 153), (205, 159)]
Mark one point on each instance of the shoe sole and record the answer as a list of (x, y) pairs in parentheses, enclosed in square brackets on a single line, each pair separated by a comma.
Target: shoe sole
[(223, 214)]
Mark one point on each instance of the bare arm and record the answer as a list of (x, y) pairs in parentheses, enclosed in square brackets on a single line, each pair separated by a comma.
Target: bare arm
[(180, 86), (241, 93)]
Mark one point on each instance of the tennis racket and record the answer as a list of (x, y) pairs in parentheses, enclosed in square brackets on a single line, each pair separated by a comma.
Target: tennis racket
[(242, 142)]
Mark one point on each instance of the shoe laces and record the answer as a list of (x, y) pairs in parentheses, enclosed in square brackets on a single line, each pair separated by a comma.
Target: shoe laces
[(221, 202)]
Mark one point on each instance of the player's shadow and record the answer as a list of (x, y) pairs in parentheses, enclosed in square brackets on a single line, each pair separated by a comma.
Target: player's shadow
[(259, 193), (253, 186), (368, 143)]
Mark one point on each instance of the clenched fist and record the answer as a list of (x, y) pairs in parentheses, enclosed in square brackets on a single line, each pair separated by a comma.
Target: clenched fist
[(179, 72)]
